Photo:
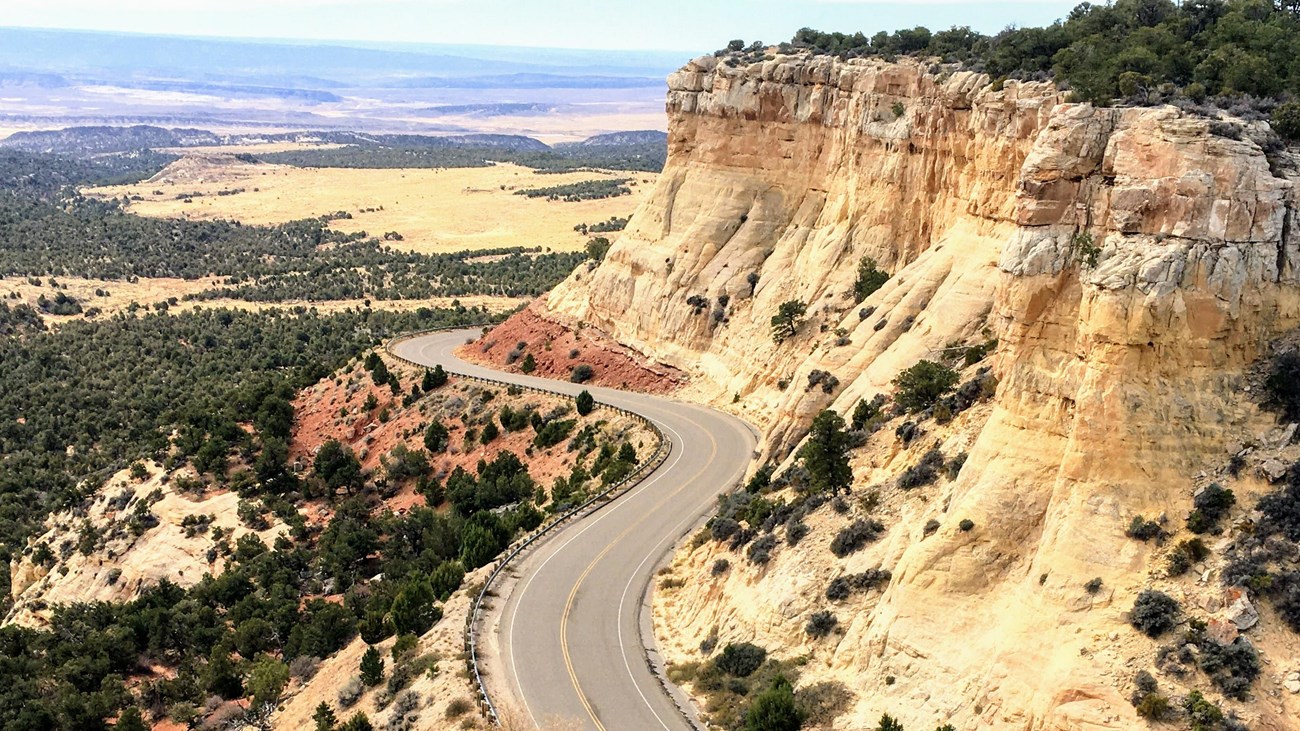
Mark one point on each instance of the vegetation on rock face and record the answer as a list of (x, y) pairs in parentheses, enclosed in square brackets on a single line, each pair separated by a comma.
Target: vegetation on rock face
[(1134, 51), (1154, 613), (774, 709), (787, 319), (826, 454), (869, 279), (920, 386)]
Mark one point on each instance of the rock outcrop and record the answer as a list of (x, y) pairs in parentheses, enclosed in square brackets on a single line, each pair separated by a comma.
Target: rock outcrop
[(1131, 262)]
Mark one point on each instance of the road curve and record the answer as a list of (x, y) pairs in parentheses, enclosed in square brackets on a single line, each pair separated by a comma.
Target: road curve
[(570, 631)]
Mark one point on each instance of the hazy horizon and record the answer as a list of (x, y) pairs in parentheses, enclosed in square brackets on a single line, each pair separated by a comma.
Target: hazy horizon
[(674, 26)]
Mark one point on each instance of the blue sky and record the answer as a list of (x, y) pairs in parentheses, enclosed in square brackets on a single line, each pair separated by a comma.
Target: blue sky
[(679, 25)]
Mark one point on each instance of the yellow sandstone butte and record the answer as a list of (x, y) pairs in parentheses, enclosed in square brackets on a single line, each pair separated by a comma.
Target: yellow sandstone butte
[(1120, 372)]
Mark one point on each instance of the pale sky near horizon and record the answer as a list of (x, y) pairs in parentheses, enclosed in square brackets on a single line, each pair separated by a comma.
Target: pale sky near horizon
[(695, 25)]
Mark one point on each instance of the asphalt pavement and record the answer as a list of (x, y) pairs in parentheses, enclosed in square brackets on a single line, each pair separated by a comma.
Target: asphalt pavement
[(573, 629)]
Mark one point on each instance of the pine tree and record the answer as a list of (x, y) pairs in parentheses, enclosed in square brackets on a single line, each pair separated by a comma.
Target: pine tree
[(324, 717), (372, 667), (131, 720), (826, 454), (529, 365), (585, 403)]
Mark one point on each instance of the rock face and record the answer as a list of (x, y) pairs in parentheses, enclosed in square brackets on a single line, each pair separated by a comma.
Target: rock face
[(1131, 263)]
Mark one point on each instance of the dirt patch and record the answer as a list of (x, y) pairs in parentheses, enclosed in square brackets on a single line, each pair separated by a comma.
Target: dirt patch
[(556, 350), (335, 408)]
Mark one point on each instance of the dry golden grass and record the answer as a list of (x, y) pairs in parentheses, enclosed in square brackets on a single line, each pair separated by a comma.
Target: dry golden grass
[(434, 210), (148, 291)]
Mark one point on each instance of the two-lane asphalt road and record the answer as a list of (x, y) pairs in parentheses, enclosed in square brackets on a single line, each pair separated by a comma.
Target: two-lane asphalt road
[(570, 631)]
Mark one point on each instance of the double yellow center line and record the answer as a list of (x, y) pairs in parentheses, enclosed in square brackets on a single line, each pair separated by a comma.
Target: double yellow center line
[(573, 594)]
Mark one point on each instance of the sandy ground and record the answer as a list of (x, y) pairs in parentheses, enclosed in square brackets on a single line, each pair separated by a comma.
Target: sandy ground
[(434, 210), (148, 291)]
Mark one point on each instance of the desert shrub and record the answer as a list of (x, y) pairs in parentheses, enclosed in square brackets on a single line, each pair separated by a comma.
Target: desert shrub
[(924, 472), (931, 526), (722, 529), (907, 432), (795, 532), (821, 623), (458, 707), (1093, 586), (1204, 715), (966, 525), (720, 567), (581, 373), (1143, 530), (741, 659), (919, 387), (1153, 707), (760, 551), (1185, 554), (823, 702), (1154, 613), (1232, 668), (774, 709), (350, 692), (1210, 505), (856, 535), (585, 403), (867, 413)]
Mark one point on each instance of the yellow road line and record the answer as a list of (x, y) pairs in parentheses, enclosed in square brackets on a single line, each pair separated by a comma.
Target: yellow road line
[(568, 605)]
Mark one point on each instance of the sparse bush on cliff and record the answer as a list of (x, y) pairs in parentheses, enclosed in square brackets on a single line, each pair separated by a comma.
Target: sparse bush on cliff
[(922, 473), (870, 278), (740, 659), (1283, 383), (856, 535), (789, 316), (920, 386), (1154, 613), (821, 623), (1210, 505), (585, 403), (1144, 530)]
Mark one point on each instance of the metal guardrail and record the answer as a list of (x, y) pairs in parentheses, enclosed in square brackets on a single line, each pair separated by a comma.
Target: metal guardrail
[(644, 469)]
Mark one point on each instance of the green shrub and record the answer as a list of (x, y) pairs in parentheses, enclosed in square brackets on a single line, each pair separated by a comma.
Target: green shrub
[(1286, 122), (1154, 613), (821, 623), (774, 709), (585, 403), (741, 659), (581, 373), (870, 279), (919, 387), (1210, 505), (856, 535)]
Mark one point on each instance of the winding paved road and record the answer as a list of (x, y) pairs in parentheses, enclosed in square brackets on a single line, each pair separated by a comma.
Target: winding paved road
[(571, 630)]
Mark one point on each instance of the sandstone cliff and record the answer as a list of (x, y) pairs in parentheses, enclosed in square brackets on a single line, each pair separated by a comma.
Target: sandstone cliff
[(1132, 263)]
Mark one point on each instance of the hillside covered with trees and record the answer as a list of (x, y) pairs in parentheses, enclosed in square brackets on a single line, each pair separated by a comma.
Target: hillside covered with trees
[(1240, 55)]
